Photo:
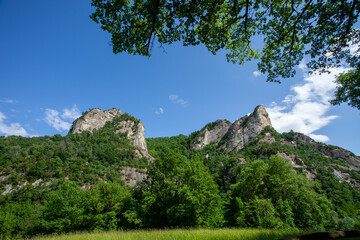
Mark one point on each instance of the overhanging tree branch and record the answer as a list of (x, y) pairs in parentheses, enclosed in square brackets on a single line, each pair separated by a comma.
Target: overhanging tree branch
[(154, 18), (288, 27)]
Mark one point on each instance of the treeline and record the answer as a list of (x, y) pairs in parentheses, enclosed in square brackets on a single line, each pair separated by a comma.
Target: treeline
[(209, 187)]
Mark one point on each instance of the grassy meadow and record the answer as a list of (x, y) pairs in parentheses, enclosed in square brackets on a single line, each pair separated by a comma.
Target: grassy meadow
[(181, 234)]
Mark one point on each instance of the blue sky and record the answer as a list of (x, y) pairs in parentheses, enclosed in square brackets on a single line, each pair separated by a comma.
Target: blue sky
[(56, 63)]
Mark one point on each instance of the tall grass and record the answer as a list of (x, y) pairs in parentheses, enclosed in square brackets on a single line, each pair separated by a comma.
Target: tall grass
[(181, 234)]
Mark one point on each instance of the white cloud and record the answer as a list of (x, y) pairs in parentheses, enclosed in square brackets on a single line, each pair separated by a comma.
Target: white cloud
[(160, 111), (53, 118), (319, 137), (12, 129), (7, 101), (303, 66), (71, 114), (177, 100), (257, 73), (305, 110), (57, 121)]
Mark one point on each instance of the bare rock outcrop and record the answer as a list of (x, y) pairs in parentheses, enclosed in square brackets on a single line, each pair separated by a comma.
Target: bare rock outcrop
[(292, 159), (327, 150), (297, 164), (243, 130), (132, 175), (94, 119), (212, 134), (132, 127), (268, 138), (337, 152), (301, 138), (136, 133), (233, 136)]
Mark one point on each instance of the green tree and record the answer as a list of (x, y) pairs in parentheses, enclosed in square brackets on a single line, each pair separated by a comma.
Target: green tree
[(261, 213), (291, 30), (348, 89), (181, 192), (64, 209), (19, 219), (106, 204), (288, 199)]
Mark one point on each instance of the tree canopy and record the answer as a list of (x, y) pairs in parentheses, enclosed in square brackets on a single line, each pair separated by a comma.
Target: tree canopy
[(321, 31), (348, 89)]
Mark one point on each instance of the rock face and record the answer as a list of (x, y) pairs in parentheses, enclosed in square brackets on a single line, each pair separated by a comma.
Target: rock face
[(268, 138), (297, 164), (136, 133), (234, 136), (327, 150), (338, 152), (243, 130), (94, 119), (211, 134), (132, 175)]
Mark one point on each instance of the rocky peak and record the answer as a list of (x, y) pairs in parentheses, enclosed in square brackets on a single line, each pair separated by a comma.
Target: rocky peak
[(260, 116), (96, 118), (243, 130), (233, 136), (211, 133)]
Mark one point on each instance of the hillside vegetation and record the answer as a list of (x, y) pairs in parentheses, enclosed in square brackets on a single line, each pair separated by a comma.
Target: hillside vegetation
[(74, 183)]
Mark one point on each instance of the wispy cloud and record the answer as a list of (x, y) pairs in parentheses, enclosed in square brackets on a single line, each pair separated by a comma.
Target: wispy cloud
[(72, 113), (7, 101), (306, 109), (12, 128), (58, 121), (159, 111), (53, 118), (256, 73), (177, 100)]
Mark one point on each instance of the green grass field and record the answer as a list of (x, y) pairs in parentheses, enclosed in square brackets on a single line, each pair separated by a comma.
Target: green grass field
[(181, 234)]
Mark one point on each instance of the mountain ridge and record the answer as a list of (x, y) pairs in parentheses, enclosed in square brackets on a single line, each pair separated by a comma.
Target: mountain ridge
[(113, 176), (233, 136), (225, 135)]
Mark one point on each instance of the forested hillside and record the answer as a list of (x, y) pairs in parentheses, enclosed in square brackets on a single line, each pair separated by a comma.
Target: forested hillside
[(73, 183), (259, 188)]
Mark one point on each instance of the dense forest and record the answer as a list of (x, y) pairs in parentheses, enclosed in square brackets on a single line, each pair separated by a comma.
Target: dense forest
[(72, 183)]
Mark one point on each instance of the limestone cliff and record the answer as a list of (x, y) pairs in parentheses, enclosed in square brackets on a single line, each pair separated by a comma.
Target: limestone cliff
[(236, 135), (136, 133), (211, 133), (96, 118), (134, 128), (243, 130), (132, 175)]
